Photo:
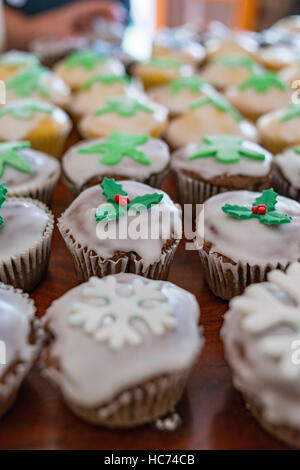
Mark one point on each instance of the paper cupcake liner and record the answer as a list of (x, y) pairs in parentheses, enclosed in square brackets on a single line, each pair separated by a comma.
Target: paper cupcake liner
[(283, 187), (227, 280), (13, 381), (141, 405), (53, 145), (26, 270)]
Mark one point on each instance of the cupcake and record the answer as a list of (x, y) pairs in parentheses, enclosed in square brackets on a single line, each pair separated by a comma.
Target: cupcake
[(289, 23), (290, 74), (26, 227), (13, 61), (258, 95), (125, 114), (277, 56), (179, 94), (220, 163), (161, 322), (227, 70), (81, 66), (20, 342), (286, 176), (127, 227), (261, 342), (94, 93), (233, 44), (42, 124), (26, 172), (161, 70), (185, 51), (208, 115), (279, 129), (246, 235), (38, 83), (121, 156)]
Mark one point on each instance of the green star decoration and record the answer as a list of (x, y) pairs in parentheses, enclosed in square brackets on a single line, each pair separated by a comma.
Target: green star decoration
[(270, 217), (3, 192), (235, 61), (28, 81), (84, 59), (109, 79), (292, 112), (112, 210), (193, 84), (118, 146), (26, 109), (226, 149), (218, 103), (262, 83), (164, 63), (124, 106), (9, 155)]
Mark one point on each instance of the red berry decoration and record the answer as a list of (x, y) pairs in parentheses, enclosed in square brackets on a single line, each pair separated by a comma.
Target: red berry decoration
[(254, 209), (122, 200), (261, 209)]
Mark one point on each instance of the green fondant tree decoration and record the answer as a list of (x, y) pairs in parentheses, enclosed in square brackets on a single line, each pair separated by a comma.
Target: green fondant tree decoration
[(164, 62), (218, 103), (235, 61), (25, 109), (84, 59), (109, 79), (3, 192), (9, 155), (226, 149), (29, 81), (124, 106), (262, 83), (119, 203), (193, 84), (263, 209), (118, 146), (292, 112)]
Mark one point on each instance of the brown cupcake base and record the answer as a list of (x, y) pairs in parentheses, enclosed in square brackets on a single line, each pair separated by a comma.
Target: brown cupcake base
[(283, 186)]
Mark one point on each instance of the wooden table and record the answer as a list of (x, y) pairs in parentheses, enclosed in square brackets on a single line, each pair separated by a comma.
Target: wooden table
[(213, 413)]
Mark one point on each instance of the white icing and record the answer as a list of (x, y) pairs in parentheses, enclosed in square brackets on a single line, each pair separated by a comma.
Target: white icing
[(291, 73), (277, 56), (289, 164), (249, 240), (24, 226), (209, 167), (91, 373), (15, 58), (270, 127), (80, 168), (265, 321)]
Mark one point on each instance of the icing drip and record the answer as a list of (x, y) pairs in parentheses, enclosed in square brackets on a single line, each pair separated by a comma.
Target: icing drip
[(289, 164)]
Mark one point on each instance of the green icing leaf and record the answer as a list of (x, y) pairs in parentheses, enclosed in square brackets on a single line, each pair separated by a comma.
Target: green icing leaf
[(3, 192), (140, 203), (235, 61), (164, 62), (29, 81), (239, 212), (106, 80), (85, 59), (26, 109), (263, 83), (193, 84), (226, 149), (292, 112), (124, 106), (119, 145), (297, 150), (274, 218), (269, 198), (9, 155), (218, 103), (110, 188)]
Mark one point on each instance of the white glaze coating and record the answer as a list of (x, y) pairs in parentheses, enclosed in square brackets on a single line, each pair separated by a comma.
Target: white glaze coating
[(277, 56), (289, 164), (80, 168), (264, 321), (91, 373), (16, 58), (291, 73), (270, 127), (209, 167), (250, 241), (79, 218)]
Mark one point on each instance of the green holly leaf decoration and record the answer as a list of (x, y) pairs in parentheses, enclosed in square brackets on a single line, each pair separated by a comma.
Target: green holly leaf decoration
[(235, 61), (9, 155), (193, 84), (110, 188), (23, 110), (262, 83), (109, 79), (164, 62), (297, 150), (220, 104), (29, 81), (118, 146), (124, 107), (3, 193), (140, 203), (226, 149), (267, 201), (292, 112), (85, 59)]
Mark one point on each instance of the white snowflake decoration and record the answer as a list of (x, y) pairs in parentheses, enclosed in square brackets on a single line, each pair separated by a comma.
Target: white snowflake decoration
[(107, 312)]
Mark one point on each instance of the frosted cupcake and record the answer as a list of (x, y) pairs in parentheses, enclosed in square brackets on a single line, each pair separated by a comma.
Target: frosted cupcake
[(246, 235), (189, 52), (21, 335), (261, 342), (45, 126), (209, 115), (233, 44), (81, 66), (277, 56), (144, 227), (286, 177), (291, 73), (125, 114), (26, 227), (289, 23), (179, 94), (121, 156), (279, 129), (161, 70), (259, 95), (149, 348), (13, 61), (220, 163)]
